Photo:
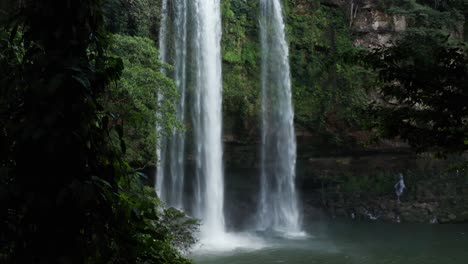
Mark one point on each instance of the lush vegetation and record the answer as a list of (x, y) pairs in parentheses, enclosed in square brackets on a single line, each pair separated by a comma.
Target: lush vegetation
[(79, 86), (424, 78), (67, 193), (425, 92), (133, 17), (241, 58), (133, 100), (329, 86), (333, 83)]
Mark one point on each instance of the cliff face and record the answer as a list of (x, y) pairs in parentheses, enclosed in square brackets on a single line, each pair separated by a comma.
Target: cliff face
[(356, 185), (362, 187), (371, 25), (329, 86)]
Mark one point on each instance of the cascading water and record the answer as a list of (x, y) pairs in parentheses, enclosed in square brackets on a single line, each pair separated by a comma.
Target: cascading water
[(170, 179), (163, 57), (278, 206), (191, 41), (208, 113), (197, 24)]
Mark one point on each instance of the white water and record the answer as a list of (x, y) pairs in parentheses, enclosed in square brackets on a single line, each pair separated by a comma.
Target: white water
[(194, 28), (209, 118), (162, 57), (171, 178), (191, 41), (278, 206)]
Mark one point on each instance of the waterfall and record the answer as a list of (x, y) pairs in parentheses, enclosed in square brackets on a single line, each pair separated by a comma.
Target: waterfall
[(208, 128), (278, 206), (190, 39), (162, 57), (170, 179)]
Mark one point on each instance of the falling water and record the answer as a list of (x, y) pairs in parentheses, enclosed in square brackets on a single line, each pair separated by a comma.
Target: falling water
[(278, 207), (208, 112), (162, 57), (170, 180), (195, 24)]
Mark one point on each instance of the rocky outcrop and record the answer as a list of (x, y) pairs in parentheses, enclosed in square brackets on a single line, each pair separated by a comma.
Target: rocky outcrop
[(373, 28)]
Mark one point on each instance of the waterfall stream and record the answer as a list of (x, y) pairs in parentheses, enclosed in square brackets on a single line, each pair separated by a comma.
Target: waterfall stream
[(173, 50), (190, 40), (278, 206), (195, 24), (208, 113)]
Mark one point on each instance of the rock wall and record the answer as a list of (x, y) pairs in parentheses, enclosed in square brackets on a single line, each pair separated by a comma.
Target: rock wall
[(358, 186), (371, 26), (362, 188)]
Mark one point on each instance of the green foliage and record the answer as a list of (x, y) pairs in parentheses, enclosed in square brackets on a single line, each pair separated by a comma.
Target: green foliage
[(159, 235), (424, 78), (133, 17), (241, 66), (329, 82), (66, 194), (424, 92), (133, 100), (431, 15)]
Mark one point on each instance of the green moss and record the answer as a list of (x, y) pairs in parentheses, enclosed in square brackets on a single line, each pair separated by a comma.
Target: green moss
[(241, 81), (327, 83)]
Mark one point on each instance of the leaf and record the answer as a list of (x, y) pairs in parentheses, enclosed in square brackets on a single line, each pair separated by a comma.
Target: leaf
[(101, 182), (141, 175), (82, 81)]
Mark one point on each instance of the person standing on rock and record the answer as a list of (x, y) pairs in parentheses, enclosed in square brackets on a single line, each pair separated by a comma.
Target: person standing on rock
[(400, 187)]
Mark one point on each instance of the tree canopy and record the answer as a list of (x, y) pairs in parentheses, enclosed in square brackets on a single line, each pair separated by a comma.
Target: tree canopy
[(425, 93)]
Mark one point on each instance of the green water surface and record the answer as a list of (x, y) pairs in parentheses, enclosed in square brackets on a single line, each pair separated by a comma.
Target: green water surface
[(356, 243)]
